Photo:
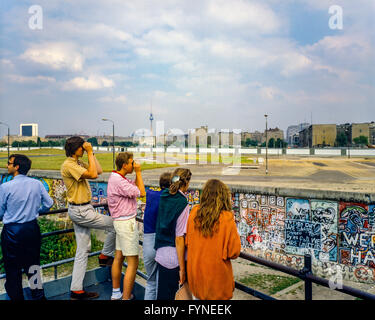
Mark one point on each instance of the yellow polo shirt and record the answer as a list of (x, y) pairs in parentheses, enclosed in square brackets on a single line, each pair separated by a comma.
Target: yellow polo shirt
[(78, 189)]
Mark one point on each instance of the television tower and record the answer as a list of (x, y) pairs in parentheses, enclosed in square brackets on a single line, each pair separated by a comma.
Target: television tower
[(151, 118)]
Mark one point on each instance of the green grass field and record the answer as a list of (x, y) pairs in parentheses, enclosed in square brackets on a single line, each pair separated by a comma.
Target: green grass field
[(51, 159)]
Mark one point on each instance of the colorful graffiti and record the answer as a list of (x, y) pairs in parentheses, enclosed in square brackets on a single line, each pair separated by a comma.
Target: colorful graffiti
[(325, 213), (55, 188), (357, 238), (302, 234), (284, 229), (260, 221), (99, 195), (193, 197), (5, 178)]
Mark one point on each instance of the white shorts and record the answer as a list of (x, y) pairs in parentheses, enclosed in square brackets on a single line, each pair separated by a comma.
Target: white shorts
[(127, 237)]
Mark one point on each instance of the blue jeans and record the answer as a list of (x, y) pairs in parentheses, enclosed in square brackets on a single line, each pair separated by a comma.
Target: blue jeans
[(150, 265)]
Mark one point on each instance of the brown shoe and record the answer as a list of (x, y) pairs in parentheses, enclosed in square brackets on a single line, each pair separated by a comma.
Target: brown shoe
[(83, 296), (105, 261)]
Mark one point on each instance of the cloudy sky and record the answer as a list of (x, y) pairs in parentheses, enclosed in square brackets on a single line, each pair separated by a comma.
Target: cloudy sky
[(221, 63)]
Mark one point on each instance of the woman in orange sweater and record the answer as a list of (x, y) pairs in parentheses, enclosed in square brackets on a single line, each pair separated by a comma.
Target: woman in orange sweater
[(212, 240)]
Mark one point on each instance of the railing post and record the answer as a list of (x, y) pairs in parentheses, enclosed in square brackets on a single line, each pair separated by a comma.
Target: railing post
[(55, 271), (305, 271)]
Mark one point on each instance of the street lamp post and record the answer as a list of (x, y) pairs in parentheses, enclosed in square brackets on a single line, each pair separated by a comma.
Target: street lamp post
[(266, 145), (8, 135), (113, 140)]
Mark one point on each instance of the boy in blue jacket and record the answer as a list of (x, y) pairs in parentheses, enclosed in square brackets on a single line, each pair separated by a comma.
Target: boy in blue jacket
[(149, 224)]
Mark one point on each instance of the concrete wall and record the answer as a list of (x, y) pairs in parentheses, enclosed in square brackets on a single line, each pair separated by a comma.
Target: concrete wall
[(281, 224), (327, 152), (300, 152)]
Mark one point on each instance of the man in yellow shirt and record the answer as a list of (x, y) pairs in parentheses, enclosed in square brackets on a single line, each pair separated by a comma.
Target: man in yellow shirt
[(75, 174)]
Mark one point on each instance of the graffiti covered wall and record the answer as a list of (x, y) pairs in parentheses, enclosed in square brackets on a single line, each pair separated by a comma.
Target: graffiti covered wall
[(282, 229)]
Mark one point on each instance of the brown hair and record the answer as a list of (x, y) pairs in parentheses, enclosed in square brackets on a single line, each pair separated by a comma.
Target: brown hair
[(180, 178), (123, 157), (72, 144), (165, 180), (215, 198)]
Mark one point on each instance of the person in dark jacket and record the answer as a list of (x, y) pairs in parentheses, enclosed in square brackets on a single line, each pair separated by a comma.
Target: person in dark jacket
[(149, 224), (171, 223)]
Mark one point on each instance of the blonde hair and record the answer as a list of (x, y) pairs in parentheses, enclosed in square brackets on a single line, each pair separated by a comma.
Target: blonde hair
[(215, 198), (180, 178)]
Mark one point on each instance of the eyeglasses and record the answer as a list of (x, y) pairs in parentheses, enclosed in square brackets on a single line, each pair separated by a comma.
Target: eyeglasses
[(9, 163)]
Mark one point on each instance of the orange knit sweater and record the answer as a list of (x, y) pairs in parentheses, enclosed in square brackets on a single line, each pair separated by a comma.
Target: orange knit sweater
[(209, 270)]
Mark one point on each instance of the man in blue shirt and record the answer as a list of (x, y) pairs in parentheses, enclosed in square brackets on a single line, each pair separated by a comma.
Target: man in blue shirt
[(21, 201)]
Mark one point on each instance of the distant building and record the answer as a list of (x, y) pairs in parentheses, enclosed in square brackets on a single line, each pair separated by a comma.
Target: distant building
[(143, 137), (109, 139), (29, 129), (260, 137), (198, 136), (58, 137), (344, 130), (273, 133), (254, 136), (13, 138), (372, 133), (28, 132), (292, 133), (355, 130), (175, 137), (318, 135), (360, 129), (203, 137)]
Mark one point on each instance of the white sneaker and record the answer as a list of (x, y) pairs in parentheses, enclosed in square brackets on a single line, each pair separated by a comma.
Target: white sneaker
[(117, 296)]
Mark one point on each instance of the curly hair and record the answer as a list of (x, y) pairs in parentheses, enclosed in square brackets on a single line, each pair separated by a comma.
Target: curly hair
[(215, 198), (180, 178)]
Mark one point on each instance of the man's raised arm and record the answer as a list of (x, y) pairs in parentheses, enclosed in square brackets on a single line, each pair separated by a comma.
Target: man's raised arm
[(91, 172)]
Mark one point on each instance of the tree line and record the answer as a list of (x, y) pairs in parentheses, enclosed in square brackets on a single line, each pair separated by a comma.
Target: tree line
[(342, 140), (272, 143), (94, 142)]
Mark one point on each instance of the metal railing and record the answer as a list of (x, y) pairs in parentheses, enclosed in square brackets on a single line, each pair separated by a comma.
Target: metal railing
[(64, 231), (305, 274)]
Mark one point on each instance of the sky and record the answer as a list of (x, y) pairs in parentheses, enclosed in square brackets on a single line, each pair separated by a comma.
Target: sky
[(220, 63)]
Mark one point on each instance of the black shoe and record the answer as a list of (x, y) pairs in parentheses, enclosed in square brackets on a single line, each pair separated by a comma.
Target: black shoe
[(104, 262), (83, 296)]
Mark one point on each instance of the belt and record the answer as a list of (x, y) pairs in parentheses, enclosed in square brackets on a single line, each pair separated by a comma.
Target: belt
[(79, 204)]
